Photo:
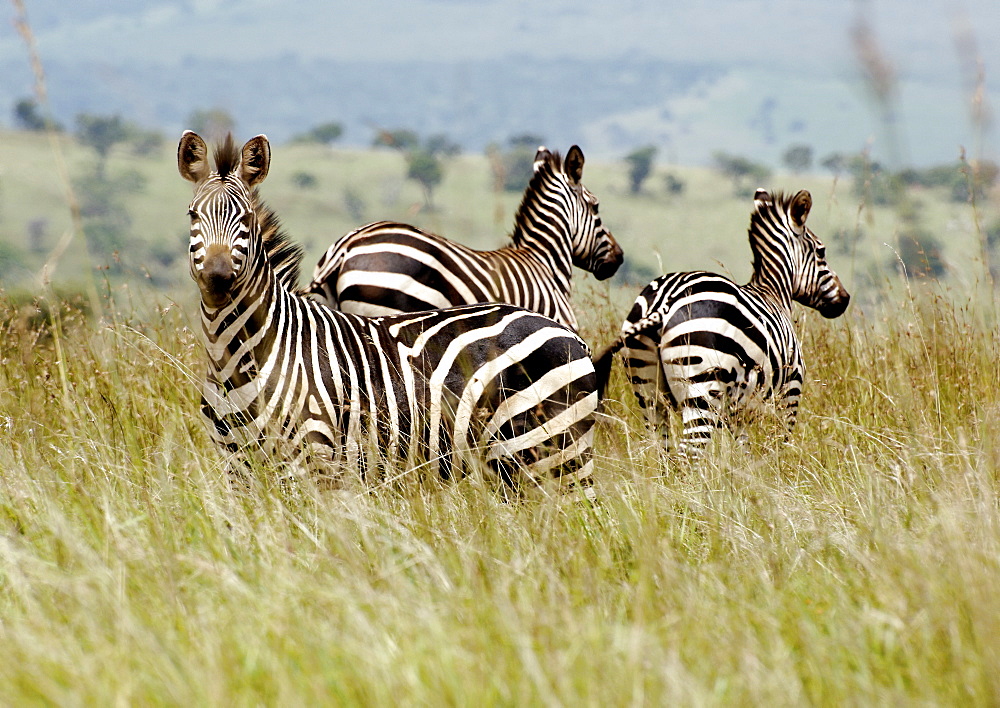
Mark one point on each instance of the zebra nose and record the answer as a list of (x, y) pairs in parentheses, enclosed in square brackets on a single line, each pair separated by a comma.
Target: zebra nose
[(836, 306), (216, 278), (610, 263)]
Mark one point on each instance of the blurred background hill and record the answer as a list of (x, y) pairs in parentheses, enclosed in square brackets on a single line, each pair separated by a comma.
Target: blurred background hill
[(429, 111), (746, 76)]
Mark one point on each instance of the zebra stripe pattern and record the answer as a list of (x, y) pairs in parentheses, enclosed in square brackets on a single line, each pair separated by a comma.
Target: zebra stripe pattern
[(388, 267), (326, 390), (716, 351)]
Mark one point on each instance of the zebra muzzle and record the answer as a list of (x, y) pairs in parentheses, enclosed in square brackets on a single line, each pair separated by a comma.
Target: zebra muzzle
[(836, 306), (216, 277), (609, 265)]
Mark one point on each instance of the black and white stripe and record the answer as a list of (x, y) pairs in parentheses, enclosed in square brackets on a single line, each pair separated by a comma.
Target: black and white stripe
[(715, 350), (388, 267), (326, 389)]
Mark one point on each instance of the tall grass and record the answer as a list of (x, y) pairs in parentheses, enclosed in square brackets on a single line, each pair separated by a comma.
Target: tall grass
[(855, 563)]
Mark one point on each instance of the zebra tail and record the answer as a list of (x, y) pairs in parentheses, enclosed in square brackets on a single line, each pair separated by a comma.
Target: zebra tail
[(602, 365), (602, 362)]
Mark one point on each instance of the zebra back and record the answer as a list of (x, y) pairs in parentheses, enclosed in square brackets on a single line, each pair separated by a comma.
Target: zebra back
[(388, 267), (328, 391)]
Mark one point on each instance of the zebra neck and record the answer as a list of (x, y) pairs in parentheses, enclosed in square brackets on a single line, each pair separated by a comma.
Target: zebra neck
[(545, 234), (775, 287), (240, 335)]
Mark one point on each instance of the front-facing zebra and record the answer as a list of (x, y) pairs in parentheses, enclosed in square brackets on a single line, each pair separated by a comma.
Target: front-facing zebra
[(387, 267), (324, 389), (716, 350)]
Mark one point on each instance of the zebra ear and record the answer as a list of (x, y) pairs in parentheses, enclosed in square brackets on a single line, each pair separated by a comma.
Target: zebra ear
[(574, 164), (192, 157), (256, 160), (541, 157), (799, 208), (762, 195)]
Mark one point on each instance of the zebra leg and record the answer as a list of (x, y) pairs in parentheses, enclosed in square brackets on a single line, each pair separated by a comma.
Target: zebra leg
[(642, 364), (701, 418), (703, 397), (788, 400), (791, 415)]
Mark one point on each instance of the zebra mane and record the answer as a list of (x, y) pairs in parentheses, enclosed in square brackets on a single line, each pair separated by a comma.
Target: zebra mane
[(227, 156), (777, 202), (551, 164), (284, 255)]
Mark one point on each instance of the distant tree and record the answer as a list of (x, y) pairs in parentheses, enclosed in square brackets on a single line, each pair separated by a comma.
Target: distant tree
[(835, 162), (213, 124), (441, 144), (674, 184), (745, 174), (145, 142), (101, 133), (401, 139), (640, 164), (106, 219), (324, 133), (961, 180), (518, 167), (304, 180), (911, 176), (514, 165), (978, 177), (861, 164), (424, 162), (354, 203), (798, 158), (872, 182), (526, 140), (425, 167), (27, 116)]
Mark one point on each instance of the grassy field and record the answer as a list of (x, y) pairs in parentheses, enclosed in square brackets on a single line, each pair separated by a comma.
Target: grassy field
[(855, 564)]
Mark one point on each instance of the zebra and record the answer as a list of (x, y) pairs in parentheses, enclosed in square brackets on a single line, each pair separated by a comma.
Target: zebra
[(387, 267), (716, 350), (325, 390)]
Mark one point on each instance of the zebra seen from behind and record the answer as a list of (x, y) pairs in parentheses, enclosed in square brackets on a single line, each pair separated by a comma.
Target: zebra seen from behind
[(324, 389), (715, 350), (388, 267)]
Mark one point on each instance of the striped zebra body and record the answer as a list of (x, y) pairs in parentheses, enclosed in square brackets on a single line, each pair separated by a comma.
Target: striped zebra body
[(718, 352), (326, 390), (388, 267)]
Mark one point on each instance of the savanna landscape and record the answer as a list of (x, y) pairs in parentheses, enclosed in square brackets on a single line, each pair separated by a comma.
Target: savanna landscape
[(854, 562)]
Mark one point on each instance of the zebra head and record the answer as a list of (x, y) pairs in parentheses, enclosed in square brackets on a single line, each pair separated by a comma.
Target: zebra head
[(594, 249), (225, 229), (778, 233)]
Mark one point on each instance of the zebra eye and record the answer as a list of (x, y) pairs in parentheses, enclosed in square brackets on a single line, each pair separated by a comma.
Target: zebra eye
[(192, 213)]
